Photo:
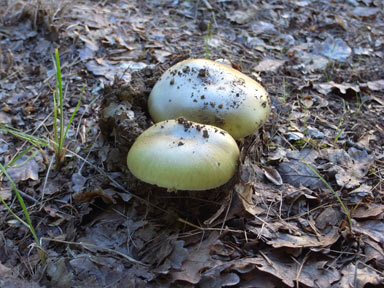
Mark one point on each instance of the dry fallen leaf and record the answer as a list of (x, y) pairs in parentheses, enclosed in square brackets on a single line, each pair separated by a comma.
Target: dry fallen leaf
[(344, 88), (333, 48), (5, 118), (376, 85), (367, 211), (5, 271), (349, 168), (199, 259), (245, 193), (359, 276), (278, 263), (58, 273), (329, 217), (270, 65), (6, 194), (372, 228), (242, 16), (297, 173), (365, 11), (219, 280), (28, 170), (305, 240)]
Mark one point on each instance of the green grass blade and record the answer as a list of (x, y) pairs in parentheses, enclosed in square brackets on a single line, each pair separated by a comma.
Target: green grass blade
[(13, 213), (74, 112), (61, 96), (56, 139), (338, 135), (11, 165), (345, 209), (34, 140), (22, 204)]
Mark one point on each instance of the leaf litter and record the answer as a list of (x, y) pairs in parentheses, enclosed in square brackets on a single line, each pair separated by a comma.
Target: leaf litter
[(321, 63)]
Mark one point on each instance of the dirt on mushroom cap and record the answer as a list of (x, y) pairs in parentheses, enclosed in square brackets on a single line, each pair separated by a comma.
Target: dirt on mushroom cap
[(184, 155), (211, 93)]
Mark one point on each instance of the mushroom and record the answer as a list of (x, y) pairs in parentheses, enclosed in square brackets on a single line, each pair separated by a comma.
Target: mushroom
[(212, 93), (183, 155)]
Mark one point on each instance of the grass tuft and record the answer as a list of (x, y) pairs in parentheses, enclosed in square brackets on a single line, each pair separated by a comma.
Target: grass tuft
[(27, 223), (59, 131)]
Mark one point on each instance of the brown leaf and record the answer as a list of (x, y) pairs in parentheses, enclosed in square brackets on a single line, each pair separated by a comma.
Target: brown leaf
[(58, 273), (372, 228), (359, 276), (329, 217), (367, 211), (259, 279), (280, 267), (8, 280), (250, 172), (297, 173), (314, 273), (5, 271), (245, 193), (317, 273), (5, 118), (344, 178), (376, 85), (373, 251), (334, 48), (199, 259), (6, 194), (242, 16), (305, 240), (111, 69), (365, 11), (349, 168), (171, 253), (90, 195), (269, 65), (220, 280), (360, 193), (27, 170), (344, 88)]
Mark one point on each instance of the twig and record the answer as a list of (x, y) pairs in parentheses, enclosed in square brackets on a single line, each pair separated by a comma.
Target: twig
[(46, 178), (206, 3), (226, 212), (301, 265), (28, 197), (129, 258)]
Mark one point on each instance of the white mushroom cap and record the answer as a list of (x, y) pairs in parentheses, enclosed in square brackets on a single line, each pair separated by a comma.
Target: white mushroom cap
[(183, 155), (212, 93)]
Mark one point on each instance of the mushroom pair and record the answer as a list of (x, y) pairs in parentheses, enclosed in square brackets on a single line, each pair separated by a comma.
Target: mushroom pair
[(185, 155)]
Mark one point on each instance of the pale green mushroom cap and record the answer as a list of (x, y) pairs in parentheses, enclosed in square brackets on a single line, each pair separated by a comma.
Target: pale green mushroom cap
[(212, 93), (183, 155)]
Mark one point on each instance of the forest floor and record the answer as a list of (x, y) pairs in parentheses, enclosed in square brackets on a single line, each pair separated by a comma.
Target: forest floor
[(278, 223)]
